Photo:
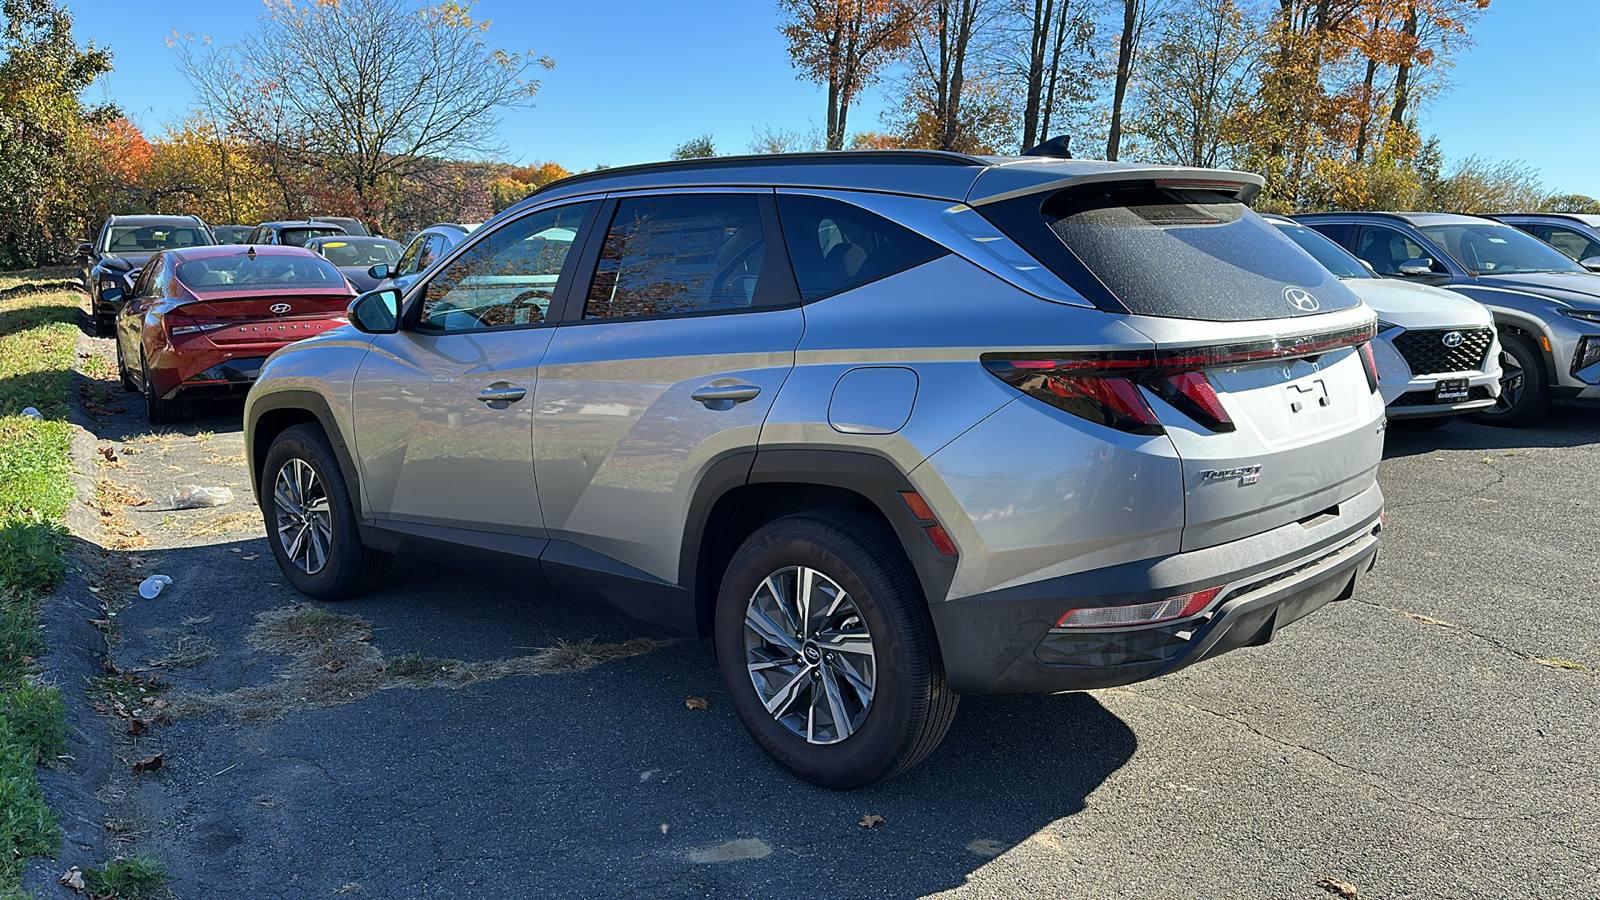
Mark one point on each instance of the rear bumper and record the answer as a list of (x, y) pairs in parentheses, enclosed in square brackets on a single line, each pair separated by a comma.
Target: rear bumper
[(232, 378), (1005, 641)]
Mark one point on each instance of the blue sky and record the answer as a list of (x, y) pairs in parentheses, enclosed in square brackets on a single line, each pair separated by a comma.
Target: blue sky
[(636, 78)]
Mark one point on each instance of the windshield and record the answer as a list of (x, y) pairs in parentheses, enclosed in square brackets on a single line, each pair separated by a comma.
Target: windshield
[(1498, 249), (1333, 257), (297, 237), (139, 240), (231, 234), (219, 274), (1189, 254), (359, 253)]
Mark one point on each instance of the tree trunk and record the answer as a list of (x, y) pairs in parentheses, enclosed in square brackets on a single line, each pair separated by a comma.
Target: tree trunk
[(1366, 110), (1402, 77), (1126, 48), (1038, 45)]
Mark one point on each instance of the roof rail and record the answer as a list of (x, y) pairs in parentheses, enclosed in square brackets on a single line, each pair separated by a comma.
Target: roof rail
[(889, 157)]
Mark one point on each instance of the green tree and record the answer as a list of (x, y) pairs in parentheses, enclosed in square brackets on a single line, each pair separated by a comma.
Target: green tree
[(695, 148), (46, 158)]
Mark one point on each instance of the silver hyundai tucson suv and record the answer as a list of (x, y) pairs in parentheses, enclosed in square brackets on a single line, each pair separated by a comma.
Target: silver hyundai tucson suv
[(889, 427)]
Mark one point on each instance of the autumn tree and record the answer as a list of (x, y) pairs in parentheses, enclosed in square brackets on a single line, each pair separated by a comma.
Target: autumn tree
[(361, 94), (843, 44), (1199, 70), (46, 153), (1044, 56), (1136, 15), (942, 51), (701, 147), (779, 140), (199, 169)]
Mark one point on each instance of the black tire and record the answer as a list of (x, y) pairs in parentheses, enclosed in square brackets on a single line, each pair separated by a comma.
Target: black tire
[(350, 568), (1428, 424), (1525, 386), (123, 374), (157, 410), (911, 706)]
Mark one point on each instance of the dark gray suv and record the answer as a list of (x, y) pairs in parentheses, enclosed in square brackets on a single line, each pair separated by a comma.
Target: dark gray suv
[(1546, 307), (888, 427)]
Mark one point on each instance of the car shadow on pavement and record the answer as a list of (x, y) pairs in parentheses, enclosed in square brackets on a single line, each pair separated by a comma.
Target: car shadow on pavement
[(1566, 425)]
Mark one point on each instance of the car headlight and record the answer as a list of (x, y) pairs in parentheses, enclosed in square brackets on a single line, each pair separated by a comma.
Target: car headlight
[(1588, 315)]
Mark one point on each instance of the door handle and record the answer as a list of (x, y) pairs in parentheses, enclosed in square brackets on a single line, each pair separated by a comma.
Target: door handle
[(724, 393), (501, 394)]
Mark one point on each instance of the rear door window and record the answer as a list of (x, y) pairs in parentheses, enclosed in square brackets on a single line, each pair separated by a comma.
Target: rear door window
[(681, 255), (1387, 249), (835, 246), (1157, 250), (1569, 242)]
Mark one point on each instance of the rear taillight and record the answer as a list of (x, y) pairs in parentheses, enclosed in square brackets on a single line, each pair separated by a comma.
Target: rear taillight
[(1170, 609), (1104, 387), (1370, 366)]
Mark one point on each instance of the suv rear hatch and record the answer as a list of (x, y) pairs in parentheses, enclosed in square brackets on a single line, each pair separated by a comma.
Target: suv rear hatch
[(1261, 376)]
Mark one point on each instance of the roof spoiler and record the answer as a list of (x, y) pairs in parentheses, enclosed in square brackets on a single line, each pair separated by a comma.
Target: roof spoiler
[(1037, 180)]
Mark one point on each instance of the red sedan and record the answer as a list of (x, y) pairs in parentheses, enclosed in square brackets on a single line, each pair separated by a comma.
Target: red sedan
[(202, 320)]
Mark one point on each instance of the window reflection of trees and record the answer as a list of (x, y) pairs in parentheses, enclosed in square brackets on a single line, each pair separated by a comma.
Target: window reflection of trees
[(678, 255), (507, 279)]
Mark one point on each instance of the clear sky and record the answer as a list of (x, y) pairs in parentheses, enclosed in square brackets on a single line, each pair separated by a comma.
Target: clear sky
[(635, 78)]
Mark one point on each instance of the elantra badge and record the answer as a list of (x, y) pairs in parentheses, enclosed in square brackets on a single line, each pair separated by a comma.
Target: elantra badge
[(1247, 475), (1452, 339), (1301, 299), (279, 308)]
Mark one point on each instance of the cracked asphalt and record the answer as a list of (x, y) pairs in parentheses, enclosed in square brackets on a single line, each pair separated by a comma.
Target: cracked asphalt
[(1433, 738)]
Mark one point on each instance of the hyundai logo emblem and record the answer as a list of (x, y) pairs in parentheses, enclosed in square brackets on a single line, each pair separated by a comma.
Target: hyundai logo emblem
[(281, 308), (1301, 299), (1451, 339)]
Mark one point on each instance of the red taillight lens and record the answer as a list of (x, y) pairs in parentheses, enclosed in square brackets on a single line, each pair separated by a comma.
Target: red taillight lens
[(1193, 394), (1172, 608), (1370, 365), (1092, 387)]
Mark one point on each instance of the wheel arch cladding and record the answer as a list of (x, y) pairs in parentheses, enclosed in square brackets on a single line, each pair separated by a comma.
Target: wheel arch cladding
[(274, 414), (785, 482)]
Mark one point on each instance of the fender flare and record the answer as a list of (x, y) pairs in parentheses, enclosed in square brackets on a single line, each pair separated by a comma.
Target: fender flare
[(317, 405)]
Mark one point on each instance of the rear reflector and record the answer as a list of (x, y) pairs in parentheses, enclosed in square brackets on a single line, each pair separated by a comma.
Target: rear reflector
[(1370, 366), (936, 534), (1181, 607)]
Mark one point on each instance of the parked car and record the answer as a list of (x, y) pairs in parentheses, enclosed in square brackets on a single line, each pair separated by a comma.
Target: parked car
[(1576, 235), (291, 234), (1545, 306), (199, 322), (1436, 350), (231, 234), (352, 226), (109, 264), (425, 248), (355, 257), (890, 427)]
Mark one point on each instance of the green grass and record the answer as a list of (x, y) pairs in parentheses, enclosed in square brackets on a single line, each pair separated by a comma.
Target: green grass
[(128, 878), (38, 331)]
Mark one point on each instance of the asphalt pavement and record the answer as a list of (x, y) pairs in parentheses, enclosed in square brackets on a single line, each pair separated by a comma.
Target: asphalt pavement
[(1432, 738)]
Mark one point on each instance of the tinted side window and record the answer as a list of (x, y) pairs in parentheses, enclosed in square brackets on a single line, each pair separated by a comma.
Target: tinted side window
[(408, 259), (433, 247), (1387, 249), (1566, 240), (1338, 233), (508, 278), (678, 255), (835, 246), (146, 285)]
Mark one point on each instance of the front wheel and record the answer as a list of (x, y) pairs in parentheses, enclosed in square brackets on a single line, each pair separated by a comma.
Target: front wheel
[(1524, 385), (311, 522), (827, 650)]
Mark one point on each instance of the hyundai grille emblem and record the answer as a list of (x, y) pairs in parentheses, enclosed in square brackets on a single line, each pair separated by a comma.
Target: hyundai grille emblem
[(1451, 339), (1300, 299), (281, 308)]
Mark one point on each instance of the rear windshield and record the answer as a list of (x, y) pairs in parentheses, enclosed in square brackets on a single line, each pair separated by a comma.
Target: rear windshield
[(360, 252), (219, 274), (297, 237), (1156, 251), (140, 239)]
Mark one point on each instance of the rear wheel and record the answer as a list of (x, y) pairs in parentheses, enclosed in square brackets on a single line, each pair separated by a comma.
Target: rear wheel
[(157, 410), (311, 521), (1524, 385), (827, 651)]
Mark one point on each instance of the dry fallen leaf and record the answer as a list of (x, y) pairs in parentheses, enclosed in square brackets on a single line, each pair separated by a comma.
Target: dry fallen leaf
[(871, 820), (72, 878), (1339, 888), (137, 727), (334, 665), (694, 702), (365, 639), (110, 667), (148, 764), (109, 454)]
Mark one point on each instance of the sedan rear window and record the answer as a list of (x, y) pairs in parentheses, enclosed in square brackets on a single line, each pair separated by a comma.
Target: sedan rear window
[(1185, 254), (297, 237), (221, 274)]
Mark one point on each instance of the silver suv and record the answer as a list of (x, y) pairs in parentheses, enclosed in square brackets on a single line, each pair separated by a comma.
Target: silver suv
[(889, 427)]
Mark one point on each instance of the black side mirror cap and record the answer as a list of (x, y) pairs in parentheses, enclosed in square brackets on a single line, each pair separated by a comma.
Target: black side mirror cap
[(379, 271), (85, 250), (111, 295), (376, 312)]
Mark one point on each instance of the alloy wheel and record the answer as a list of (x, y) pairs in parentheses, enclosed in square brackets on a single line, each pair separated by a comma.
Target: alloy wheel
[(809, 654), (1512, 380), (304, 519)]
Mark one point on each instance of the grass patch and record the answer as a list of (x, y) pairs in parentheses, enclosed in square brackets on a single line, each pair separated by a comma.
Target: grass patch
[(1556, 662), (38, 333), (127, 878)]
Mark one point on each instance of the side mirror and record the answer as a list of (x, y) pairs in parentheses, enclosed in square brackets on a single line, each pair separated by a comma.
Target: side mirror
[(379, 271), (376, 312), (111, 295), (1592, 263), (85, 250), (1368, 266), (1416, 268)]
